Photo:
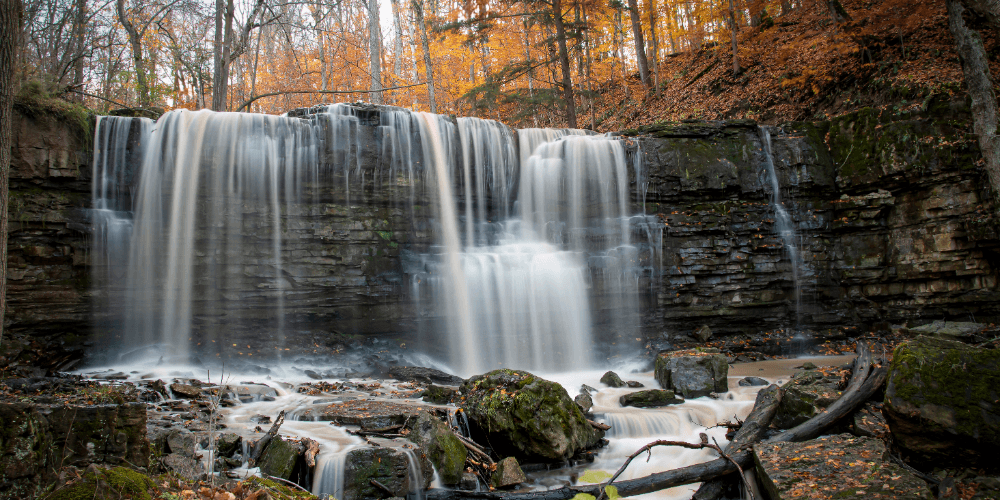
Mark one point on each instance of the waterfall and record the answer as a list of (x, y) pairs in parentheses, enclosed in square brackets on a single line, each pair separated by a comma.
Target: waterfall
[(119, 143), (534, 239), (783, 222)]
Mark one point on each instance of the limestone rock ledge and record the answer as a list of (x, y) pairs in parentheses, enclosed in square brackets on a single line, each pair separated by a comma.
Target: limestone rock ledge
[(36, 440), (840, 466)]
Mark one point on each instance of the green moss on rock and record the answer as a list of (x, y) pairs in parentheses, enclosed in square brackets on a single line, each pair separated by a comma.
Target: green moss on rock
[(115, 483), (526, 416), (941, 400)]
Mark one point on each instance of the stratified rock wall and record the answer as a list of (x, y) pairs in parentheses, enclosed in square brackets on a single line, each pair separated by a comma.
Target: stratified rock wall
[(47, 274), (890, 211), (891, 215)]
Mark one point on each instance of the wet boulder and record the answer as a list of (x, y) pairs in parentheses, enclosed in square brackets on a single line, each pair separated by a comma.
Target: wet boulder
[(389, 467), (585, 401), (186, 391), (508, 474), (941, 401), (184, 466), (442, 447), (839, 466), (652, 398), (425, 375), (526, 416), (703, 334), (692, 373), (951, 330), (753, 382), (438, 395), (283, 458), (611, 379), (229, 444), (807, 394)]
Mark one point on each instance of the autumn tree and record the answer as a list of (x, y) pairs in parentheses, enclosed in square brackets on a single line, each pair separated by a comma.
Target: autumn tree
[(227, 47), (640, 48), (10, 31), (976, 67)]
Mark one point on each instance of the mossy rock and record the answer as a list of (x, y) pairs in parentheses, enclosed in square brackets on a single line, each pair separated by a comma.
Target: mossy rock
[(389, 466), (526, 416), (281, 458), (115, 483), (286, 492), (651, 398), (611, 379), (941, 402), (443, 448), (439, 395), (807, 394), (692, 373)]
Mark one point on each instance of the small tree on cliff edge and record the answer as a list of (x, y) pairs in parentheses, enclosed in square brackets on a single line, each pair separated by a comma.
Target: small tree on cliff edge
[(975, 65), (10, 29)]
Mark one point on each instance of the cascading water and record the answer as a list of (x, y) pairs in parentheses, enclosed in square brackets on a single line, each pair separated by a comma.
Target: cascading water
[(526, 239), (119, 144), (783, 223)]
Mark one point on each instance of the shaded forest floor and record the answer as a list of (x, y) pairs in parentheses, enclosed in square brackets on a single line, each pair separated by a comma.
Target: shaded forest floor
[(798, 66)]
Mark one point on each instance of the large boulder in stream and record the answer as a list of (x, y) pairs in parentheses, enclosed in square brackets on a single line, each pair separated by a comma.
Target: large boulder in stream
[(651, 398), (526, 416), (283, 458), (692, 373), (840, 466), (442, 447), (807, 394), (941, 402), (395, 469)]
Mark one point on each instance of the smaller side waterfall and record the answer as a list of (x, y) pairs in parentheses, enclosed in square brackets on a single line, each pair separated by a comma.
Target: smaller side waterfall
[(329, 476), (783, 222)]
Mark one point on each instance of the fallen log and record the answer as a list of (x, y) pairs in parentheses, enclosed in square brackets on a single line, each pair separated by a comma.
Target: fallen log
[(857, 392), (850, 399), (258, 447)]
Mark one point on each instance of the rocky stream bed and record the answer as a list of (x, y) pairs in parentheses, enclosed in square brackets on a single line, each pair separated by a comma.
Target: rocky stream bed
[(928, 432)]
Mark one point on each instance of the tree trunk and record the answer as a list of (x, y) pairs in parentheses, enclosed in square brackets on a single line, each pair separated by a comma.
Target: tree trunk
[(218, 83), (640, 45), (374, 52), (733, 31), (654, 44), (397, 62), (79, 36), (135, 42), (567, 81), (976, 67), (10, 31), (418, 9)]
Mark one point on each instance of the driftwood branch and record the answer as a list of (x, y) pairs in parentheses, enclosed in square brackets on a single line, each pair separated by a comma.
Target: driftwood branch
[(598, 425), (258, 447), (475, 450), (381, 487), (287, 482), (860, 388), (312, 449), (290, 92), (648, 449)]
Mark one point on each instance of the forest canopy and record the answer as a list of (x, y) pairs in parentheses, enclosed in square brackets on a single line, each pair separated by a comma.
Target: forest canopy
[(521, 61)]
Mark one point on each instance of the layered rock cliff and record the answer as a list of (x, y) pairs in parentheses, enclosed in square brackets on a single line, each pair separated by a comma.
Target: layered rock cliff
[(889, 209)]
